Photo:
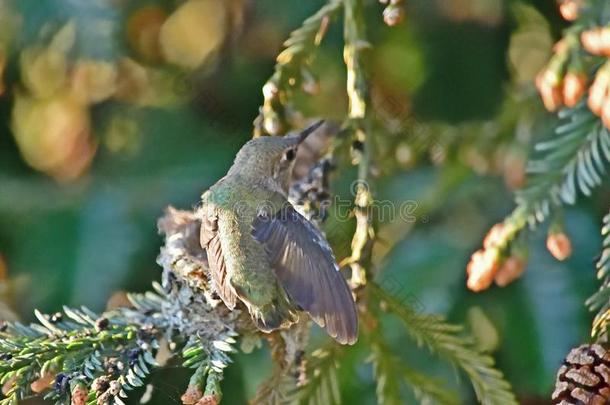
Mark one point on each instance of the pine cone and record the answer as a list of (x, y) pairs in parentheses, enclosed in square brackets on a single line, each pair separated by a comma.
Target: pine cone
[(584, 377)]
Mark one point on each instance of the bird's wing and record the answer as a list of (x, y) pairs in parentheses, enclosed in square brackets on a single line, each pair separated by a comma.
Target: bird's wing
[(306, 268), (210, 241)]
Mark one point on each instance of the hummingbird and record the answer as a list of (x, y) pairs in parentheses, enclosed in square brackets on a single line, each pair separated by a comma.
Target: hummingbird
[(265, 254)]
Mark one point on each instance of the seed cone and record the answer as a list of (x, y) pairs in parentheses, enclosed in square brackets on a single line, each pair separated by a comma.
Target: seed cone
[(584, 377), (559, 244)]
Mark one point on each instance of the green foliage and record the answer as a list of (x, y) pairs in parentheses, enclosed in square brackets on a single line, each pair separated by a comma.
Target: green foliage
[(111, 354), (209, 364), (79, 346), (600, 301), (292, 71), (448, 342), (390, 371), (300, 44), (322, 387), (570, 163)]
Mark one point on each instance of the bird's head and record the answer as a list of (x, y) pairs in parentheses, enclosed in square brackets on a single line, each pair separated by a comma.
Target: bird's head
[(270, 159)]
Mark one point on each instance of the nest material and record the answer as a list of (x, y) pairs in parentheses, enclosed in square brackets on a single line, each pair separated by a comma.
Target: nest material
[(192, 307)]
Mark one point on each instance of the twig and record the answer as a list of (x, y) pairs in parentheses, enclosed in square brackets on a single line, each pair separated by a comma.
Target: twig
[(357, 92)]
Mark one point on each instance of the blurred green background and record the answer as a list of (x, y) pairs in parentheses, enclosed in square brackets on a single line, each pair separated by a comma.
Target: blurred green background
[(456, 115)]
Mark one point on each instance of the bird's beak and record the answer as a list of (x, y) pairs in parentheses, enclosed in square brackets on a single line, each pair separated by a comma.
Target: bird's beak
[(309, 130)]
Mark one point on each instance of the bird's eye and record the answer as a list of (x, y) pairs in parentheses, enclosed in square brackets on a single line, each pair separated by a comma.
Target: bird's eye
[(290, 154)]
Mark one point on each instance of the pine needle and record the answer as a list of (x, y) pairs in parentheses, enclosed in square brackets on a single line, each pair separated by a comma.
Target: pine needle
[(600, 301), (572, 162), (389, 370), (448, 341), (322, 387)]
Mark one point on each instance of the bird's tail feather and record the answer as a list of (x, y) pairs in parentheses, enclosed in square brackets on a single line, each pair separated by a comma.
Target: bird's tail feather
[(273, 316)]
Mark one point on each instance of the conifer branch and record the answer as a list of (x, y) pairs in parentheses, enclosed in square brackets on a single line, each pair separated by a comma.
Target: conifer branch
[(570, 164), (111, 354), (449, 342), (322, 386), (289, 366), (291, 71), (358, 95), (302, 41), (600, 301), (389, 371)]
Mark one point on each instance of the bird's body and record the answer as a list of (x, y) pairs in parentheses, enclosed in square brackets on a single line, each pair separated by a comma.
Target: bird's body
[(264, 253), (235, 204)]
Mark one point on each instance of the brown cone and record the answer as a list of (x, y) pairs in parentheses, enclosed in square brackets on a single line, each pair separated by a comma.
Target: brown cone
[(569, 9), (574, 87), (509, 271), (559, 245), (598, 92), (482, 268), (584, 377)]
